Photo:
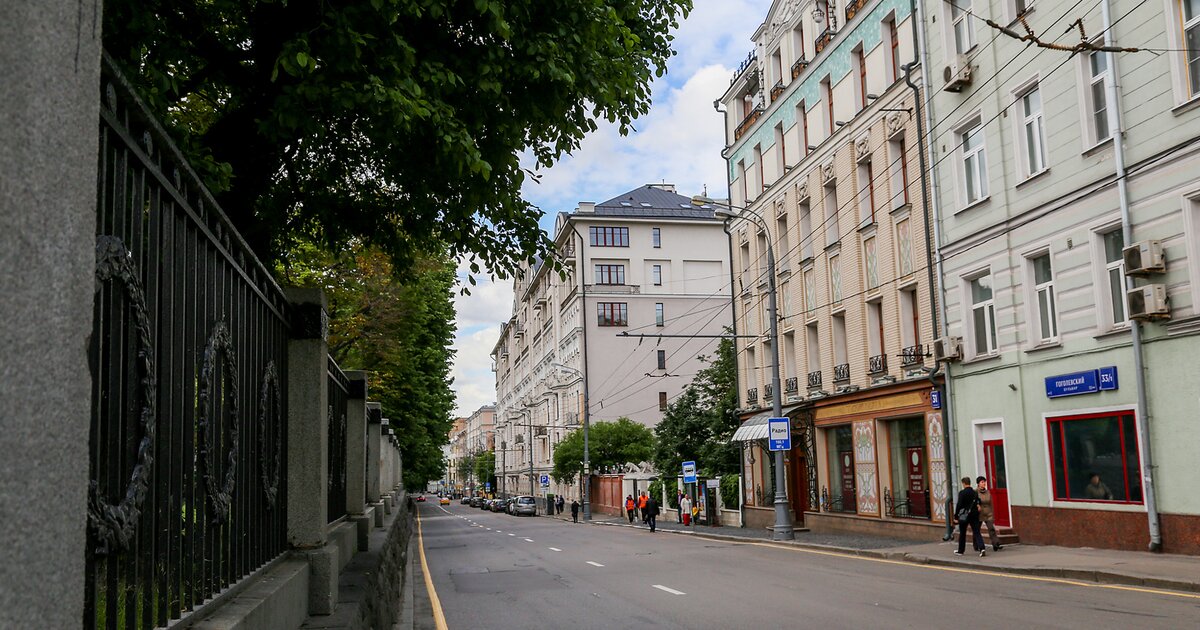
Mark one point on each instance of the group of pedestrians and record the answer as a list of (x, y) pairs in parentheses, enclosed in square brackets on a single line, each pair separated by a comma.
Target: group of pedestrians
[(973, 510), (645, 507)]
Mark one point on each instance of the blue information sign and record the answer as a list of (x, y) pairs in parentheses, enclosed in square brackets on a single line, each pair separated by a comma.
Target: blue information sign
[(935, 399), (689, 472), (1108, 378), (546, 481), (1073, 384), (780, 434), (487, 486)]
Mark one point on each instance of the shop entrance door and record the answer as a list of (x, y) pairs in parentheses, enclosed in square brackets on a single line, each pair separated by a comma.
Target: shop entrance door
[(798, 484), (993, 461)]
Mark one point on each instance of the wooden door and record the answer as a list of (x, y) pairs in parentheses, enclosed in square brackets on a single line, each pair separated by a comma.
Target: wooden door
[(798, 485), (993, 459)]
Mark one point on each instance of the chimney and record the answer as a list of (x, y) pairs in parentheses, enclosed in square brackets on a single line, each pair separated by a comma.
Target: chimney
[(663, 186), (586, 206)]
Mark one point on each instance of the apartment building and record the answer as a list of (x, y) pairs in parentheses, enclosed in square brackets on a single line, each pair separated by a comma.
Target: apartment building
[(1067, 308), (458, 452), (646, 262), (823, 145)]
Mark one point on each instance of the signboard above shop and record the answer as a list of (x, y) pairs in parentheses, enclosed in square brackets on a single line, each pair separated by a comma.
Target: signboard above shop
[(1085, 382)]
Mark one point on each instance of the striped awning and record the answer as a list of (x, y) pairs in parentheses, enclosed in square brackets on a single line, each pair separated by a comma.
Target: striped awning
[(752, 429)]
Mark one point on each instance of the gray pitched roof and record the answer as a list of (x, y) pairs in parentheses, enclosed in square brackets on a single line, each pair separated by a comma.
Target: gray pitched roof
[(652, 201)]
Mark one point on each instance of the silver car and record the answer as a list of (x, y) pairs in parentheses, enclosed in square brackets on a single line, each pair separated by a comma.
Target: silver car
[(524, 505)]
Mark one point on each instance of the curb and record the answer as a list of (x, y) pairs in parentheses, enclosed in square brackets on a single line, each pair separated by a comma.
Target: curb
[(1082, 575)]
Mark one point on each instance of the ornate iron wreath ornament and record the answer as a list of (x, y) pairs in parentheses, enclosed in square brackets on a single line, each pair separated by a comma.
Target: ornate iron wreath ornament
[(269, 398), (219, 344), (114, 526)]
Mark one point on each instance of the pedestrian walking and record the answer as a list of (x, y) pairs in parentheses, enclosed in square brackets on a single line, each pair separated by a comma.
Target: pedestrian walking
[(559, 501), (679, 504), (630, 506), (574, 511), (651, 513), (986, 514), (642, 506), (966, 510), (685, 508)]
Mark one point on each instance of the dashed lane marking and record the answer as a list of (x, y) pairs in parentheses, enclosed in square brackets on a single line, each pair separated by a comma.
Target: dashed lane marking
[(554, 549), (595, 564), (528, 540), (669, 589)]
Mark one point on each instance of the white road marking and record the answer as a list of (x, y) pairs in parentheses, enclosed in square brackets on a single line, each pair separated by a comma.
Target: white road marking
[(528, 540), (554, 549), (595, 564), (512, 534), (488, 528), (669, 590)]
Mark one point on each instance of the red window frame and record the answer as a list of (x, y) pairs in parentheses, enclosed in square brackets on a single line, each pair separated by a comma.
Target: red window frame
[(610, 274), (1056, 424), (612, 314), (862, 78), (895, 41), (603, 236), (904, 168)]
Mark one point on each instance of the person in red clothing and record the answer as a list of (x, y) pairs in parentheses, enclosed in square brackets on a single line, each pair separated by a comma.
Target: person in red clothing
[(642, 506), (629, 506)]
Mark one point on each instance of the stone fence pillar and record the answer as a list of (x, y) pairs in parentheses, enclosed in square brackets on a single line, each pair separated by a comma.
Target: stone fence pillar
[(307, 424), (356, 444), (374, 421)]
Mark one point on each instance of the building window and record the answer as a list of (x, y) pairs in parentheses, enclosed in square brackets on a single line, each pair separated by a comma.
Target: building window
[(960, 19), (910, 478), (835, 279), (662, 359), (742, 185), (659, 319), (827, 96), (785, 301), (810, 293), (1094, 457), (860, 71), (1096, 96), (871, 263), (662, 401), (656, 237), (758, 167), (609, 236), (798, 41), (610, 274), (806, 235), (840, 443), (974, 164), (875, 328), (780, 152), (898, 154), (802, 120), (1045, 310), (612, 314), (904, 249), (1114, 270), (910, 318), (783, 239), (1033, 132), (893, 40), (983, 315), (656, 275), (866, 192), (813, 341), (832, 233), (1191, 42), (840, 352)]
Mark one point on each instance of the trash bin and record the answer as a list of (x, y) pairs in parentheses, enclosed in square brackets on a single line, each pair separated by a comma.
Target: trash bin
[(687, 518)]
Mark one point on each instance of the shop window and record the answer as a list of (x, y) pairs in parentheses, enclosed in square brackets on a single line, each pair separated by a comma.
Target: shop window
[(1094, 457), (910, 474), (839, 495)]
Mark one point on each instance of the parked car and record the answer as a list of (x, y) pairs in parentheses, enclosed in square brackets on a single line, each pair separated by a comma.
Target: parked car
[(474, 501), (465, 500), (485, 503), (524, 505)]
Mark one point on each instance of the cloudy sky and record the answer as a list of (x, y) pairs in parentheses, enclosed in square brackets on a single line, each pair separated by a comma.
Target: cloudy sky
[(678, 142)]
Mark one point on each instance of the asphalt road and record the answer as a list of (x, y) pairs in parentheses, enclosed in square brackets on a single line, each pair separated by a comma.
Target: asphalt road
[(498, 571)]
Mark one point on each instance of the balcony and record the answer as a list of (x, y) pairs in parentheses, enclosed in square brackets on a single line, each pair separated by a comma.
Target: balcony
[(877, 365), (614, 289), (814, 380), (776, 90), (823, 39), (749, 63), (568, 250), (799, 67), (747, 122), (519, 330), (912, 355), (841, 373), (790, 385), (752, 396), (853, 7)]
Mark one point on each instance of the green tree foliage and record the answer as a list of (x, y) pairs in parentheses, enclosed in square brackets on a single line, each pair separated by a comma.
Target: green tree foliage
[(399, 122), (485, 468), (698, 424), (609, 444), (466, 468), (401, 333)]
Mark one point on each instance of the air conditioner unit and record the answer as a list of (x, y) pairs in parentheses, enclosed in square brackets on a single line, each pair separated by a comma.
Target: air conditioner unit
[(1148, 303), (947, 349), (1144, 258), (957, 75)]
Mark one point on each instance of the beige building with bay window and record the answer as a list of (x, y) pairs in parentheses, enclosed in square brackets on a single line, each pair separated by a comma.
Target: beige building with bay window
[(647, 262)]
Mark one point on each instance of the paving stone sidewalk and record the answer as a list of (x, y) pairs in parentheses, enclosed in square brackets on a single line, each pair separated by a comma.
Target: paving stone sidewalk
[(1132, 568)]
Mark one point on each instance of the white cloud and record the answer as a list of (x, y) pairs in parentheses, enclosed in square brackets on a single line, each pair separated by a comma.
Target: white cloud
[(489, 303), (474, 381)]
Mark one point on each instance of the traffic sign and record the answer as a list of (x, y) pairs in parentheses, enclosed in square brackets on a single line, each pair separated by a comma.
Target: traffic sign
[(487, 486), (545, 481), (689, 472), (780, 434)]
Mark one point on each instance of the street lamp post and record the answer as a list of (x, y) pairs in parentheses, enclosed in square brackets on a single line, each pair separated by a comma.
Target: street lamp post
[(783, 518), (587, 478)]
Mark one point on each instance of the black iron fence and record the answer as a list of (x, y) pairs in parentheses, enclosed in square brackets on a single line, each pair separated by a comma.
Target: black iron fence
[(187, 445), (339, 397)]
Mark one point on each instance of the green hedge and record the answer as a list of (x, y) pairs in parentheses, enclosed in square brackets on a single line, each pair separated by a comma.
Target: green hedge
[(729, 491)]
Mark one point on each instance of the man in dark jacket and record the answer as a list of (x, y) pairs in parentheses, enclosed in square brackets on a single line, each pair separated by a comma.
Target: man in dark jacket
[(574, 511), (651, 512), (966, 510)]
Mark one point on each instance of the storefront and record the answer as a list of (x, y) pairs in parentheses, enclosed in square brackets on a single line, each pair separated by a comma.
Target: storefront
[(758, 476), (882, 462)]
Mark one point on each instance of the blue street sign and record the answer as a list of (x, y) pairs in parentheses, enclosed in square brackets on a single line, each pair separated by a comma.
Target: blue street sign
[(689, 472), (935, 399), (487, 486), (546, 481), (1073, 384), (780, 434), (1108, 378)]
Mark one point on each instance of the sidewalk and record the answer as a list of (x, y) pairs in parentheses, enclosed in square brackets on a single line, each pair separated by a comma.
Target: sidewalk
[(1131, 568)]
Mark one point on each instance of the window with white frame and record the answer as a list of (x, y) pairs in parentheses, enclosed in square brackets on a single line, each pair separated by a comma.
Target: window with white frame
[(1097, 117), (960, 21), (983, 314), (1114, 272), (1033, 132), (1191, 42), (974, 163), (1044, 309)]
